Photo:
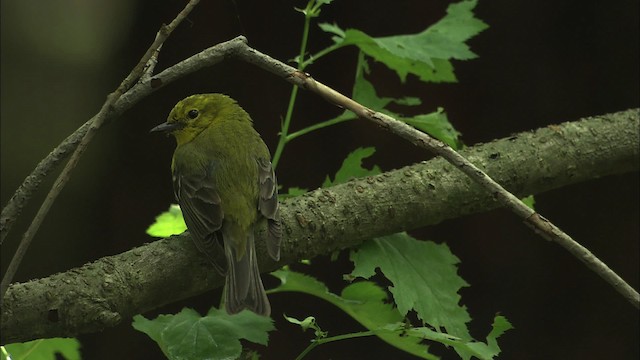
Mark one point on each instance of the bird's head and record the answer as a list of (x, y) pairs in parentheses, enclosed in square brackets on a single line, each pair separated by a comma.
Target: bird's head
[(195, 113)]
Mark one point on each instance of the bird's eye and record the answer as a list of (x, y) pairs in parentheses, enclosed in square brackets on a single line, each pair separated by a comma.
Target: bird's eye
[(193, 114)]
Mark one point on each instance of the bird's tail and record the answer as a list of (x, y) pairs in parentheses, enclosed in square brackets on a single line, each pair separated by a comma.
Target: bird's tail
[(244, 289)]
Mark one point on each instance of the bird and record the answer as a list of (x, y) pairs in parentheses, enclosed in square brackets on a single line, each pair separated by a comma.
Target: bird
[(225, 185)]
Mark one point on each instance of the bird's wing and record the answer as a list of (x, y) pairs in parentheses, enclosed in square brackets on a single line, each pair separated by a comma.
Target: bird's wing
[(268, 205), (200, 203)]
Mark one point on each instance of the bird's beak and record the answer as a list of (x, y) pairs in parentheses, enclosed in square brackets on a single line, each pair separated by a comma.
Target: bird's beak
[(167, 127)]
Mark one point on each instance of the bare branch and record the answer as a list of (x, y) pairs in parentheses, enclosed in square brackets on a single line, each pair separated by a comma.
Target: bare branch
[(142, 89), (539, 224), (106, 112)]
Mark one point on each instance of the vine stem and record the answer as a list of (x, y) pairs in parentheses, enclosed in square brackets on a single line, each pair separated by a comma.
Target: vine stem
[(320, 125), (285, 128), (321, 341), (320, 54), (284, 132)]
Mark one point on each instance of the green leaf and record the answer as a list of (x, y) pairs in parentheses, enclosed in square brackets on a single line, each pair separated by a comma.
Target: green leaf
[(308, 323), (437, 125), (187, 335), (365, 93), (352, 167), (491, 348), (368, 304), (442, 40), (363, 90), (530, 201), (332, 29), (467, 349), (428, 69), (45, 349), (424, 277), (408, 101), (364, 301), (168, 223), (294, 281), (425, 54), (313, 7)]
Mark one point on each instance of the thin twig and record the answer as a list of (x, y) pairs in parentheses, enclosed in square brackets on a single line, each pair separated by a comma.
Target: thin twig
[(142, 89), (20, 198), (151, 65), (23, 194), (543, 227), (105, 112)]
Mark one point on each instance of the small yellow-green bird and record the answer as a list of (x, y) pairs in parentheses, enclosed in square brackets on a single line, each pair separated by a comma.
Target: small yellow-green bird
[(224, 183)]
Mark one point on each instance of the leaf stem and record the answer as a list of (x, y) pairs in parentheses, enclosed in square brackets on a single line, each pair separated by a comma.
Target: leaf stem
[(285, 128), (320, 54), (317, 342), (294, 90), (319, 125)]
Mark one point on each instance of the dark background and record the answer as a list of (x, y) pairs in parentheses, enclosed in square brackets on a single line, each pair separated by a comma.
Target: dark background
[(540, 63)]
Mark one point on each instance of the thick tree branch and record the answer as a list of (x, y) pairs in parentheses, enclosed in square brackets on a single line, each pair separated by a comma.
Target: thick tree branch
[(112, 289)]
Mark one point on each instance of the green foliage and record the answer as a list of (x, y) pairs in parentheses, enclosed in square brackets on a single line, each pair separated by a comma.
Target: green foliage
[(313, 8), (425, 54), (530, 201), (352, 167), (424, 277), (411, 266), (308, 323), (364, 301), (187, 335), (435, 124), (368, 304), (43, 349), (168, 223)]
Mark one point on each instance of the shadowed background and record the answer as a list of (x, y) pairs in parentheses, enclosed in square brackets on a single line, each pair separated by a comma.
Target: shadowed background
[(540, 63)]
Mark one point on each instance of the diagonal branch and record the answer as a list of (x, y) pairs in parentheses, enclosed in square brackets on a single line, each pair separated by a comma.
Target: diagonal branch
[(109, 110), (146, 86), (539, 224), (112, 289), (105, 113)]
